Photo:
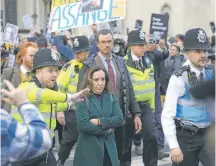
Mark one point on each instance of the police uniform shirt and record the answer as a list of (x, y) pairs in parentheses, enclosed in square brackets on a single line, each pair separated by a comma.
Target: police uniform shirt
[(175, 90), (136, 59)]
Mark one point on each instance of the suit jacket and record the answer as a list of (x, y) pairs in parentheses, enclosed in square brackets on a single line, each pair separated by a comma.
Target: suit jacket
[(93, 139), (13, 75)]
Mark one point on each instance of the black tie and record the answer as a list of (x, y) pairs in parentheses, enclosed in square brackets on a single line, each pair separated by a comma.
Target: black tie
[(140, 64), (201, 76)]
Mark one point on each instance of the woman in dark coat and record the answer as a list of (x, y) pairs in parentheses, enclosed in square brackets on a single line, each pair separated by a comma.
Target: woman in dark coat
[(97, 117)]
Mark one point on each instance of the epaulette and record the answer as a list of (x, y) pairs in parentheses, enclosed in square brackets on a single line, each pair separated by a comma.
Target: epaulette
[(181, 70), (66, 66)]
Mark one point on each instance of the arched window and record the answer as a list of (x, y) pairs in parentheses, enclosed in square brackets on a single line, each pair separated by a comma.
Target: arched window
[(166, 9)]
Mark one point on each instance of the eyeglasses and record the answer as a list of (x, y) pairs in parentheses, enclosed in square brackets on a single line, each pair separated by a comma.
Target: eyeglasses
[(104, 42)]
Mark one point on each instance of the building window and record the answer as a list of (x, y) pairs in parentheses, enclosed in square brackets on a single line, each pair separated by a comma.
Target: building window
[(166, 9), (11, 11)]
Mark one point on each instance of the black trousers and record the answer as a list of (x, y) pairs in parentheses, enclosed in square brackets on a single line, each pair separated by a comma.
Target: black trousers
[(42, 160), (70, 135), (124, 138), (106, 161), (194, 148), (148, 134)]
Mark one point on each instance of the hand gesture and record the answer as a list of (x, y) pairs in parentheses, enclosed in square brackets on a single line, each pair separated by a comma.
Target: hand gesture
[(82, 93), (94, 121), (162, 44), (176, 155), (60, 117), (85, 92), (138, 124), (13, 95)]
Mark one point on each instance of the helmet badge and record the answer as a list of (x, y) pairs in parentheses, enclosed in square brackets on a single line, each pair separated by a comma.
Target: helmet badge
[(142, 35), (76, 42), (202, 36), (54, 56)]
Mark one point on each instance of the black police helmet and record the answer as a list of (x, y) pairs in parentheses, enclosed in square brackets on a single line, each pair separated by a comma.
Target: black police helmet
[(196, 39), (45, 57), (136, 37), (80, 44)]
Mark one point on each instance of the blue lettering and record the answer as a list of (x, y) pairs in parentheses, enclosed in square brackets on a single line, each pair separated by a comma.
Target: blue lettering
[(65, 17), (73, 17), (110, 11), (58, 14), (80, 14), (99, 13), (93, 14)]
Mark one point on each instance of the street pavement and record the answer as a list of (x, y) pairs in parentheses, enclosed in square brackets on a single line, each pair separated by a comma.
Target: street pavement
[(136, 160)]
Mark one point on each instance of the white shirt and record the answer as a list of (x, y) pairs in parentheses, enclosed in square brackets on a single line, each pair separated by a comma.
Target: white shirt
[(175, 90), (112, 61), (24, 70), (136, 58)]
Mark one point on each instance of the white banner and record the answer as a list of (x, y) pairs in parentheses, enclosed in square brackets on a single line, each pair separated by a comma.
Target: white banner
[(80, 14)]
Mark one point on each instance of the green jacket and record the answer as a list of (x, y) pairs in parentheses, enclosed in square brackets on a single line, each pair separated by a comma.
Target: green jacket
[(92, 138)]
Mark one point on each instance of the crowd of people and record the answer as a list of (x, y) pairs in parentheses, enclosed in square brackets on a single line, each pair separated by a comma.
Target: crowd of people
[(105, 94)]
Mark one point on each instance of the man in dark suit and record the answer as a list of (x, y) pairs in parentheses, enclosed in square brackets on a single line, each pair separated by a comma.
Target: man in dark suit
[(120, 85), (21, 72)]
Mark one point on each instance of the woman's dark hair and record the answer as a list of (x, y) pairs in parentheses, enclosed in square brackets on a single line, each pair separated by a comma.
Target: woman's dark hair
[(88, 77), (177, 48)]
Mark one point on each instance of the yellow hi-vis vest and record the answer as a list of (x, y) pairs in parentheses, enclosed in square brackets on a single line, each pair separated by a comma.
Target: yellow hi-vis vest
[(143, 84), (68, 77), (46, 101)]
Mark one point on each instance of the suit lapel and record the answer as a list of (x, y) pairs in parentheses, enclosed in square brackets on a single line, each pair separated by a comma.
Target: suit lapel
[(16, 80), (96, 104)]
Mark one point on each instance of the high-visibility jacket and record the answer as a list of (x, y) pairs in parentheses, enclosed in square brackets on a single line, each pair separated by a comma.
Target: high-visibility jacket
[(48, 102), (143, 84), (68, 77)]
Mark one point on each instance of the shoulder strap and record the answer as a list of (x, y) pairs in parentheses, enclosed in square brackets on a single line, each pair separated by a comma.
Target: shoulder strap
[(181, 70)]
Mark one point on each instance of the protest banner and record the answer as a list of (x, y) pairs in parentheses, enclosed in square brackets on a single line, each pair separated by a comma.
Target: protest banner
[(27, 21), (11, 60), (159, 25), (10, 33), (71, 15)]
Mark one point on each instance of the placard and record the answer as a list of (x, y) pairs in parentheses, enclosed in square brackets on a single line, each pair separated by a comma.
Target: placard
[(72, 15), (159, 25), (27, 21), (10, 33)]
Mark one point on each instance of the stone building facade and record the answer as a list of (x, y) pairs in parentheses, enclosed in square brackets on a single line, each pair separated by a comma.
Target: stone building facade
[(183, 14)]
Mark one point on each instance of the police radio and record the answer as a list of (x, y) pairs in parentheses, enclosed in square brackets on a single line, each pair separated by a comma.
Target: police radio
[(76, 69), (192, 78)]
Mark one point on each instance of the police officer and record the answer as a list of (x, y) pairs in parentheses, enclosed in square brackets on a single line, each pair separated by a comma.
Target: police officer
[(141, 71), (185, 120), (42, 92), (67, 82)]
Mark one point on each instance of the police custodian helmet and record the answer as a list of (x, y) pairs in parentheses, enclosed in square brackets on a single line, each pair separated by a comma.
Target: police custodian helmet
[(80, 44), (196, 39), (136, 37), (45, 57)]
